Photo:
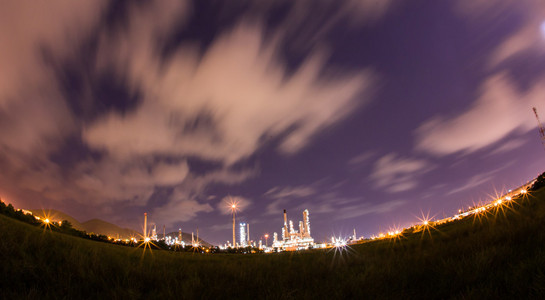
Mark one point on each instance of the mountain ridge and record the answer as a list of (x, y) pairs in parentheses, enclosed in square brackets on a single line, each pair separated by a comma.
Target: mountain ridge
[(99, 226)]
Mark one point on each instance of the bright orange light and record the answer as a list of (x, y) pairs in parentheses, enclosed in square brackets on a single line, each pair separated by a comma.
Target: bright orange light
[(147, 240), (46, 221), (233, 205)]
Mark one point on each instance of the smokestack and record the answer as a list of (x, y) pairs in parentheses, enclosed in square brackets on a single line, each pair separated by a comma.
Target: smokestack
[(164, 233), (285, 231), (180, 235), (248, 232), (145, 225), (197, 235), (306, 223)]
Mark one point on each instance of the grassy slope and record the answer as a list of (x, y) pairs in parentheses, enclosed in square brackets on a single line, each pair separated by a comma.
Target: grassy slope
[(501, 256)]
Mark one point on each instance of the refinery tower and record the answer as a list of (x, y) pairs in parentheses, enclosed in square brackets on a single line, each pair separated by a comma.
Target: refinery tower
[(295, 239)]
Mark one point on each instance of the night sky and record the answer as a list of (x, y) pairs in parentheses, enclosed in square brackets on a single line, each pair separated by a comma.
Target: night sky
[(366, 112)]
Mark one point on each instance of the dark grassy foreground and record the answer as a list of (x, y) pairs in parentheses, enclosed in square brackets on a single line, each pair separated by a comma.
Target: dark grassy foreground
[(501, 256)]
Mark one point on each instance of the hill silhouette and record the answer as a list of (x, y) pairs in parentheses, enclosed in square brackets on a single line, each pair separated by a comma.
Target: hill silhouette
[(109, 229), (496, 254), (99, 226)]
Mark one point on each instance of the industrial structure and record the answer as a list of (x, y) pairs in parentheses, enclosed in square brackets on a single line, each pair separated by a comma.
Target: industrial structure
[(243, 238), (154, 233), (145, 226), (540, 128), (293, 239)]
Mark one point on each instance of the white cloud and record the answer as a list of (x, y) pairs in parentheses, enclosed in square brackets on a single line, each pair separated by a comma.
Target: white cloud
[(25, 27), (34, 117), (525, 37), (367, 10), (180, 210), (508, 146), (357, 210), (290, 192), (499, 110), (398, 174), (478, 180), (528, 38), (361, 158), (220, 105)]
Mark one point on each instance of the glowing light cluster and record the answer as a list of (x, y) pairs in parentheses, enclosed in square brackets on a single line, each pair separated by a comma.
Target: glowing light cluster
[(426, 223)]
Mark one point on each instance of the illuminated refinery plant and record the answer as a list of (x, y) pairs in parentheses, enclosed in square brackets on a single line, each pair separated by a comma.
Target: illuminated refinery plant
[(292, 239)]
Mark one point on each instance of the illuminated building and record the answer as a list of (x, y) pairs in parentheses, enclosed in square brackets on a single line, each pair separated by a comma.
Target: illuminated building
[(292, 231), (154, 232), (293, 239), (243, 240)]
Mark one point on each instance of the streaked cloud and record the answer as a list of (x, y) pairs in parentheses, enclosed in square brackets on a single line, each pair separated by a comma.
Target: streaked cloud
[(500, 109), (34, 117), (290, 192), (396, 174), (361, 159), (356, 209), (218, 104), (235, 94), (478, 180)]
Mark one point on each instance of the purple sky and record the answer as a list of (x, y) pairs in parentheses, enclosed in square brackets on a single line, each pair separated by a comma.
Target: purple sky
[(365, 112)]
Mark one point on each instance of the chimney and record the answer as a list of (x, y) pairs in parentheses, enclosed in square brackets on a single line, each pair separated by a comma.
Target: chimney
[(145, 225), (286, 232)]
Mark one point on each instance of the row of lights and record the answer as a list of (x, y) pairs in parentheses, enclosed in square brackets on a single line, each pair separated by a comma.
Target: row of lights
[(427, 222)]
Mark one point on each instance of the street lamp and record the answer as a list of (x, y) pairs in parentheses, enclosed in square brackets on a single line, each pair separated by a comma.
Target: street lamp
[(233, 211)]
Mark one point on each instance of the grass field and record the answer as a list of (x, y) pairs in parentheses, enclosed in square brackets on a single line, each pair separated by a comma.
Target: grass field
[(500, 255)]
